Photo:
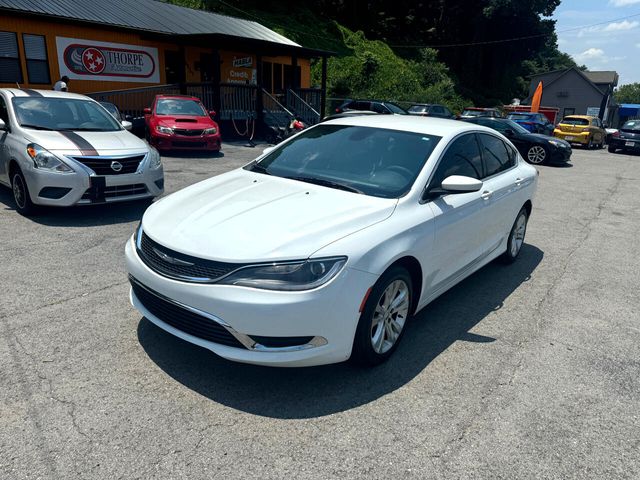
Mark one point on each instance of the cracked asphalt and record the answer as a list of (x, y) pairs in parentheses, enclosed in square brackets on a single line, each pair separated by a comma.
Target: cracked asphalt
[(523, 371)]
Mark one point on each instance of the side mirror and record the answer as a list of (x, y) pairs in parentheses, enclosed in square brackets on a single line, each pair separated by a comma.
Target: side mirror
[(128, 118), (212, 113), (147, 111), (268, 150), (461, 184), (127, 125), (509, 133), (3, 126)]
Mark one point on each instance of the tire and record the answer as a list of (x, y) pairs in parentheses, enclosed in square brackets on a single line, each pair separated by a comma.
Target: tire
[(536, 155), (516, 237), (21, 197), (590, 144), (380, 327), (611, 149)]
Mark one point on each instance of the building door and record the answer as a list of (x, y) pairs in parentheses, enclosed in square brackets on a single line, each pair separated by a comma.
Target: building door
[(206, 67), (173, 65)]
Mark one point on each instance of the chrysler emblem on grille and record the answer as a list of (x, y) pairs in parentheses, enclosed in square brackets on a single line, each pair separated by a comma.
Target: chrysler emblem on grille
[(116, 166), (171, 260)]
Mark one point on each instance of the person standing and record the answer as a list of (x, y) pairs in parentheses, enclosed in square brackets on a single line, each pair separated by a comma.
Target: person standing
[(62, 85)]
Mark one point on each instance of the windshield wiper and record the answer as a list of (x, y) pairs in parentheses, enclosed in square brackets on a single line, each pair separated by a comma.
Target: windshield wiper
[(256, 167), (35, 127), (327, 183)]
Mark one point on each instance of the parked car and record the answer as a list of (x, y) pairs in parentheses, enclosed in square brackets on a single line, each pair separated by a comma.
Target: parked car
[(62, 149), (535, 148), (581, 129), (471, 112), (430, 110), (181, 122), (533, 122), (376, 106), (610, 132), (324, 247), (627, 139)]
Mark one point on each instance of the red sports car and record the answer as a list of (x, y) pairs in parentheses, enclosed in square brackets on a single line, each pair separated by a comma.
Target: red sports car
[(182, 123)]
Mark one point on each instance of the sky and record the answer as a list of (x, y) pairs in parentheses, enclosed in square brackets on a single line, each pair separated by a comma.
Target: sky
[(607, 46)]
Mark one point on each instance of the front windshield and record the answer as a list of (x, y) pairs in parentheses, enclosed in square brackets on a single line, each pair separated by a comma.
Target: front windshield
[(175, 106), (373, 161), (60, 113), (112, 109)]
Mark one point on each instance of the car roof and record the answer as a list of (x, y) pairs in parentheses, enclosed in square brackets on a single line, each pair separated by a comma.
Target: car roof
[(28, 92), (440, 127), (482, 109)]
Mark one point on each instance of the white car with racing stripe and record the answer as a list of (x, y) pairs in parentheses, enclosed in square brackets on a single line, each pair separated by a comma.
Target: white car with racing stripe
[(63, 149)]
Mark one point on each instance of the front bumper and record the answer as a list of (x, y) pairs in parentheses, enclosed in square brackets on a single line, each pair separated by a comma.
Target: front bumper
[(182, 142), (329, 314), (83, 187), (560, 155)]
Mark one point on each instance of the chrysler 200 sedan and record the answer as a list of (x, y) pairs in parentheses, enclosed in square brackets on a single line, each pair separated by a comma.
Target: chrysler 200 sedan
[(62, 149), (325, 246)]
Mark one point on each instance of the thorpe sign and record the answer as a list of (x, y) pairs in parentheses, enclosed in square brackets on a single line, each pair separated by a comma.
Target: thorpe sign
[(91, 60)]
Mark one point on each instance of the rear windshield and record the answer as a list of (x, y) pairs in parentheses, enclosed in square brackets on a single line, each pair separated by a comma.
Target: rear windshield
[(520, 116), (395, 109), (473, 113), (175, 106), (632, 125), (418, 109), (575, 121)]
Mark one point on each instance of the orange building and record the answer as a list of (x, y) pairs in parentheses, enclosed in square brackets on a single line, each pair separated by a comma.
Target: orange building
[(120, 47)]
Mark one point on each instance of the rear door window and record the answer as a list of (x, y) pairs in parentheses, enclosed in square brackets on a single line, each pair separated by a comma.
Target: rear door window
[(495, 154)]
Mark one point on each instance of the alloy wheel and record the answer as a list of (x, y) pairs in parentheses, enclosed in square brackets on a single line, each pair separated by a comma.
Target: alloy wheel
[(19, 191), (517, 239), (536, 154), (390, 316)]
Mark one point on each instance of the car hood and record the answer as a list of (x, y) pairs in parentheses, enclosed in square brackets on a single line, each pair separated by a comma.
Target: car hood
[(86, 143), (243, 216), (547, 138), (186, 122)]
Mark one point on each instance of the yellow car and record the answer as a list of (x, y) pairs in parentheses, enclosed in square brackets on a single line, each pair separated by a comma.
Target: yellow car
[(583, 129)]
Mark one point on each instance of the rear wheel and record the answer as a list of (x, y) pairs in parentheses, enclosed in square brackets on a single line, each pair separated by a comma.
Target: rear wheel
[(21, 197), (516, 237), (382, 322), (536, 155)]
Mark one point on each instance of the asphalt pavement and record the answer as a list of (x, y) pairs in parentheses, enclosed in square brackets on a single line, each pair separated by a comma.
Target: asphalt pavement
[(524, 371)]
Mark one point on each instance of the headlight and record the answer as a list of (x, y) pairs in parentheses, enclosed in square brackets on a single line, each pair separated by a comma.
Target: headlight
[(45, 160), (165, 130), (154, 158), (556, 143), (210, 131), (288, 276)]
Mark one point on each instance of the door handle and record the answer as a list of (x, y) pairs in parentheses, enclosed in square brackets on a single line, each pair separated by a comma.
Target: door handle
[(486, 195), (519, 181)]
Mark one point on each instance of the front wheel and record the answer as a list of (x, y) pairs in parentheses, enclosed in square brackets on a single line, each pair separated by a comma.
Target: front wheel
[(516, 237), (536, 155), (611, 149), (21, 196), (383, 319)]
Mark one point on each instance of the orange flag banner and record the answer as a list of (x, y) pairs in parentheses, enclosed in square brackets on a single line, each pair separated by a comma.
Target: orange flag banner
[(537, 97)]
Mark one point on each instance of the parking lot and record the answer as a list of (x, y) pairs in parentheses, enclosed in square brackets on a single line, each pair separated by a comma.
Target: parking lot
[(523, 371)]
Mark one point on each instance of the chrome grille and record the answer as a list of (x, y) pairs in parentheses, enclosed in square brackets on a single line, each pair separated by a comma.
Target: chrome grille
[(109, 165), (181, 266)]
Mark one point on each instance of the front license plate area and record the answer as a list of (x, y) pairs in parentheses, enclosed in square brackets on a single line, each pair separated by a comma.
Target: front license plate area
[(97, 186)]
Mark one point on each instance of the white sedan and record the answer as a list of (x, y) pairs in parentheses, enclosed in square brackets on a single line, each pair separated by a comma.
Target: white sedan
[(325, 246)]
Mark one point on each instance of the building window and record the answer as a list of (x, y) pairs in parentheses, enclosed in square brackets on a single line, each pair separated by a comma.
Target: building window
[(568, 111), (10, 71), (35, 52)]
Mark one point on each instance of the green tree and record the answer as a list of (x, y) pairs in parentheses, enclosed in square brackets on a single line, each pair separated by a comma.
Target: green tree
[(629, 93)]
